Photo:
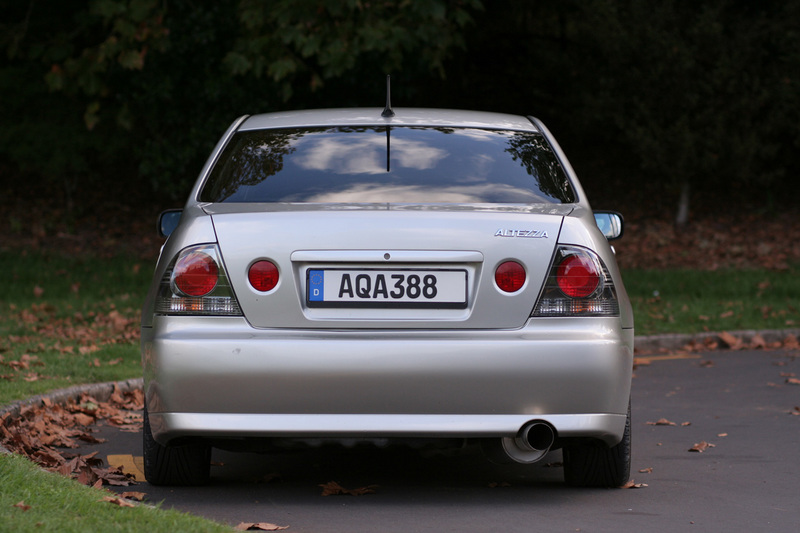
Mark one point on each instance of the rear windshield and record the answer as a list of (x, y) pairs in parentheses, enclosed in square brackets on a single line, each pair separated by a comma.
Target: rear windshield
[(388, 165)]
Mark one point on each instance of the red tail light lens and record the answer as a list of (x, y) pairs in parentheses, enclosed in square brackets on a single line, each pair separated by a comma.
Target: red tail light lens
[(510, 276), (196, 274), (578, 276), (263, 276)]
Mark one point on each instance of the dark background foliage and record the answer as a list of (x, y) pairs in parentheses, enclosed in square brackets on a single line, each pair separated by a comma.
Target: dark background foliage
[(654, 102)]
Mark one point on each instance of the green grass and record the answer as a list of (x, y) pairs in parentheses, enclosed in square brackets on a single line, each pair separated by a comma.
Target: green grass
[(685, 301), (68, 320), (58, 503)]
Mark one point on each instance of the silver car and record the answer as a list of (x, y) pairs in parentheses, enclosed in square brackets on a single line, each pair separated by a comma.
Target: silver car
[(413, 275)]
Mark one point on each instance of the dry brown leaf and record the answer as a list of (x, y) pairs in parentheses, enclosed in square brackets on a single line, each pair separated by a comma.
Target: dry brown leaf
[(136, 496), (633, 485), (332, 488), (701, 446), (648, 470), (22, 505), (757, 342), (793, 381), (118, 501), (734, 343), (790, 342), (661, 422), (259, 526)]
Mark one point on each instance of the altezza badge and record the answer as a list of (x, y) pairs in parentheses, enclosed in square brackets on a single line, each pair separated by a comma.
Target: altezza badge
[(524, 233)]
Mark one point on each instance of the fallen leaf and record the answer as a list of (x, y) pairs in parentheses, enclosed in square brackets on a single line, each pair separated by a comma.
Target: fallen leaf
[(22, 505), (662, 422), (790, 342), (38, 291), (118, 501), (332, 488), (633, 485), (136, 496), (684, 424), (259, 526), (648, 470), (793, 381), (722, 434), (757, 342), (701, 446), (734, 343)]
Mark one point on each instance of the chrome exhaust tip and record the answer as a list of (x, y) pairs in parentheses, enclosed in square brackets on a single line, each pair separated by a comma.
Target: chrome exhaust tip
[(530, 445)]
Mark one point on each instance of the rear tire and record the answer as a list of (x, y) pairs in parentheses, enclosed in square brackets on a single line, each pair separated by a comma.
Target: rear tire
[(189, 464), (597, 465)]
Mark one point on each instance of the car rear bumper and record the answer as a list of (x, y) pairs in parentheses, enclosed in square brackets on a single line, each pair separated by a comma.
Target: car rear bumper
[(220, 378)]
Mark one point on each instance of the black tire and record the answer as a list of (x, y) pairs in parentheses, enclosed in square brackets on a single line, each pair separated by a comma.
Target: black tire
[(597, 465), (189, 464)]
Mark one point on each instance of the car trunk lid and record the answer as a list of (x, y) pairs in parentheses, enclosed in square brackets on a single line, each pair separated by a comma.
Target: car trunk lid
[(386, 266)]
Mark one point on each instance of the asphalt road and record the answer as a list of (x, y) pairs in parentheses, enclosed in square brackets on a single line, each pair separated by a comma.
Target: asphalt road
[(740, 402)]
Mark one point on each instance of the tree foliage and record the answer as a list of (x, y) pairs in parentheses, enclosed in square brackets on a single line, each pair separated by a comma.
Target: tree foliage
[(702, 92), (695, 93)]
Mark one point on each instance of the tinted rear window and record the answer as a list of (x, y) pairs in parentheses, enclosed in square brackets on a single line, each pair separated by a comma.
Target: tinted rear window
[(388, 165)]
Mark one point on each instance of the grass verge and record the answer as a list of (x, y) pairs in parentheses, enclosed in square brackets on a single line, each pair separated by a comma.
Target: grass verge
[(689, 301), (68, 320), (35, 500)]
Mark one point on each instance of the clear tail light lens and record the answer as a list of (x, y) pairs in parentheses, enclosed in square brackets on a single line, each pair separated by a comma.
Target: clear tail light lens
[(578, 284), (195, 283)]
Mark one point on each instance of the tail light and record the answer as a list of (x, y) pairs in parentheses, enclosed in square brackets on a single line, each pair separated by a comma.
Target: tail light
[(263, 275), (195, 283), (510, 276), (195, 274), (578, 284)]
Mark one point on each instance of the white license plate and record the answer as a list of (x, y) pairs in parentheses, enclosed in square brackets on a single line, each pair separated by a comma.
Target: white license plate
[(332, 287)]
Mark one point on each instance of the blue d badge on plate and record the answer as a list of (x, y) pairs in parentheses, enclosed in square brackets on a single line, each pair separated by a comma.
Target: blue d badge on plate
[(316, 285)]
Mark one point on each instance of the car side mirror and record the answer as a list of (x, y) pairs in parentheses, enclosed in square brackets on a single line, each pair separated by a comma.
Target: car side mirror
[(168, 221), (610, 223)]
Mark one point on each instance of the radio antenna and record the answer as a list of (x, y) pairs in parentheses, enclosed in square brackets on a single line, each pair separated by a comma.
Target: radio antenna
[(387, 111)]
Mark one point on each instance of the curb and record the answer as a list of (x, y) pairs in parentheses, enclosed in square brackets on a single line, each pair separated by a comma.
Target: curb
[(677, 341), (100, 391)]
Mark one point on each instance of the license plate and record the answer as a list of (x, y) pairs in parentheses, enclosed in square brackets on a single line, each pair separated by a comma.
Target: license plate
[(333, 287)]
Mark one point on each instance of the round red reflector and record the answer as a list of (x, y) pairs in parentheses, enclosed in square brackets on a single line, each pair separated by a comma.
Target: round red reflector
[(510, 276), (196, 274), (578, 276), (263, 276)]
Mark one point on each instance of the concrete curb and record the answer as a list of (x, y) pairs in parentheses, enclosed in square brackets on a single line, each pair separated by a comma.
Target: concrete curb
[(677, 341), (100, 391)]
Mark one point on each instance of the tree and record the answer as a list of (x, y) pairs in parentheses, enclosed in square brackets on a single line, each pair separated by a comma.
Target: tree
[(700, 91), (154, 83)]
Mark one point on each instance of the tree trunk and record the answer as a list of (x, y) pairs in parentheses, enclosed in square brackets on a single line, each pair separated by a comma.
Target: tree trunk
[(683, 206)]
